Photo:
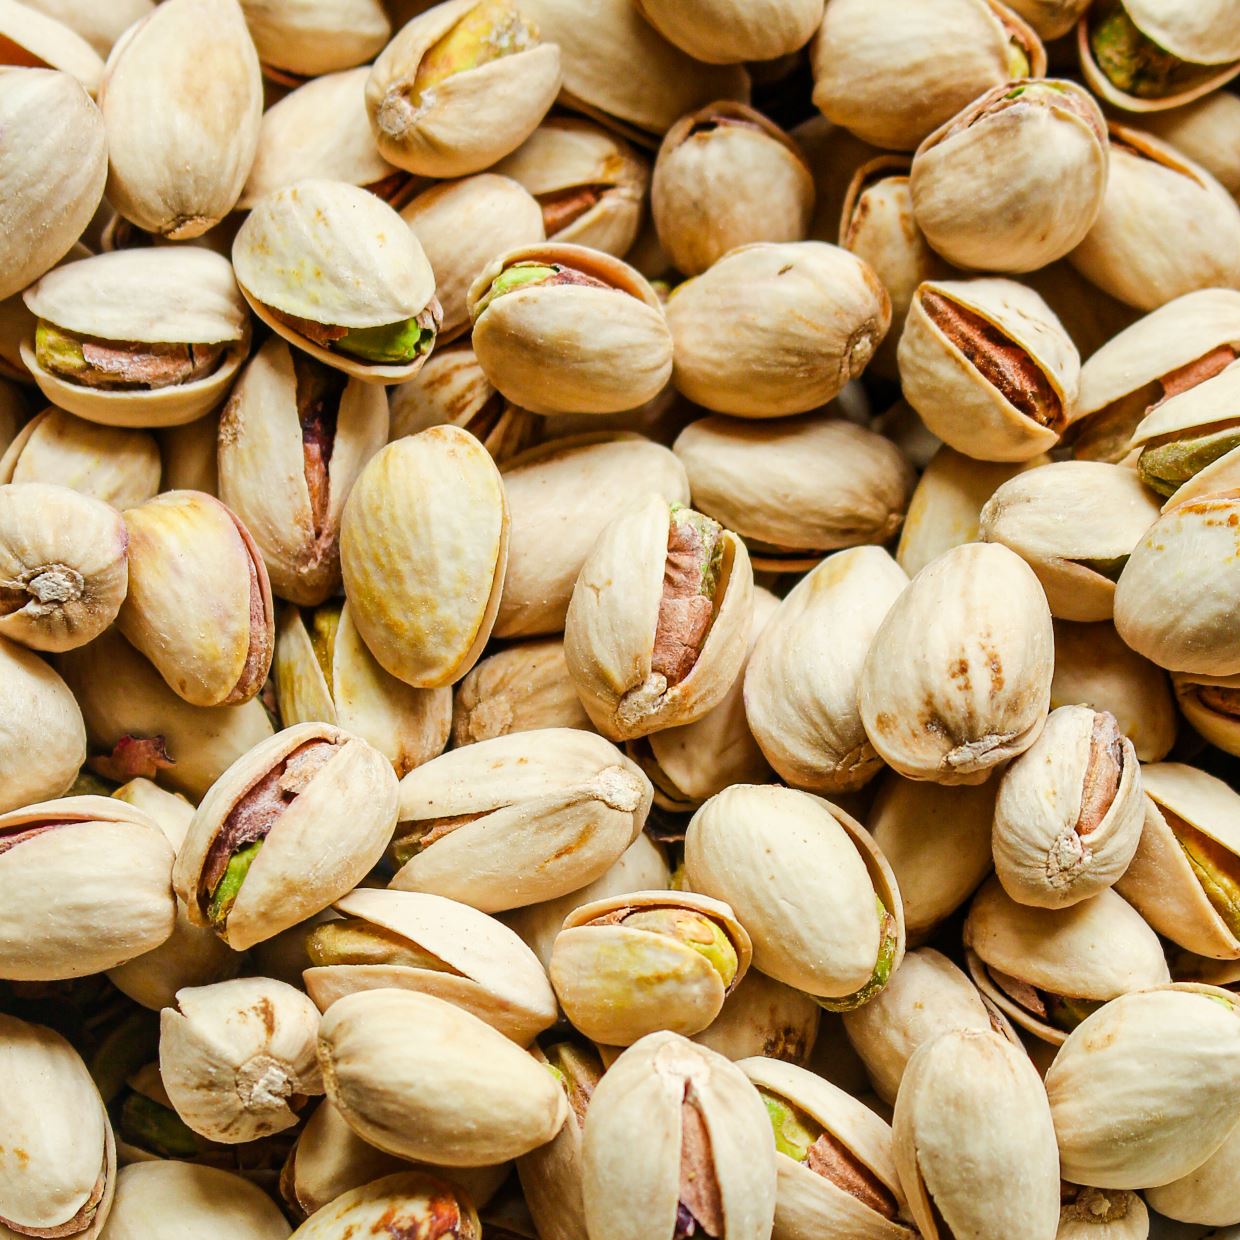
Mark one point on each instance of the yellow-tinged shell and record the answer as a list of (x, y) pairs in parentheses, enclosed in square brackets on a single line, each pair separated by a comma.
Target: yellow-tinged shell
[(410, 1200), (308, 38)]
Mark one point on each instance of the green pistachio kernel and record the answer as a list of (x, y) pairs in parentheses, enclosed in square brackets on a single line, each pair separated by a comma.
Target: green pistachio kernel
[(1130, 60), (709, 542), (882, 967), (57, 351), (356, 941), (1065, 1012), (491, 30), (1216, 868), (1168, 466), (1108, 568), (794, 1131), (226, 890), (519, 275), (1018, 61), (156, 1128), (392, 344), (704, 935)]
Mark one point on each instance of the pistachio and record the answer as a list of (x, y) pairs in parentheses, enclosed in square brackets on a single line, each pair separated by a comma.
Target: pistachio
[(1203, 131), (1086, 1212), (1212, 705), (99, 27), (306, 40), (723, 32), (1207, 1194), (409, 1201)]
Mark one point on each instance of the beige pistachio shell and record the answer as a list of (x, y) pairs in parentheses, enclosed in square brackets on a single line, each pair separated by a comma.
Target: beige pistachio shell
[(182, 99), (1101, 1214), (99, 25), (306, 38), (648, 1090), (957, 678), (410, 1200), (612, 630), (824, 860), (290, 501), (723, 32), (124, 700), (190, 454), (1209, 1194), (546, 812), (236, 1057), (764, 1017), (1138, 249), (561, 497), (33, 39), (119, 467), (1117, 1126), (1209, 705), (424, 550), (53, 167), (801, 696), (484, 967), (1207, 131), (955, 399), (571, 348), (422, 1078), (1074, 523), (63, 1181), (1091, 317), (1050, 18), (974, 1142), (86, 884), (171, 812), (328, 835), (892, 74), (165, 1200), (773, 329)]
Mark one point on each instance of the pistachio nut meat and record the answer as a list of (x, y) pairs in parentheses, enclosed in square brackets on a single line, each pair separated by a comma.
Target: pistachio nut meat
[(1115, 1126), (238, 1057), (137, 337), (86, 884), (330, 267), (974, 1141), (836, 1167), (1048, 969), (1212, 705), (422, 1078), (416, 941), (629, 965), (423, 552), (312, 802), (517, 819), (724, 32), (1016, 179), (764, 1017), (989, 368), (705, 1163), (300, 40), (460, 86), (779, 858), (63, 1183), (957, 678), (565, 329), (411, 1201)]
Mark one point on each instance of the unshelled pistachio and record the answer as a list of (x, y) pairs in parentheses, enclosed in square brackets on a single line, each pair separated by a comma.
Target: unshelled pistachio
[(302, 40), (721, 32)]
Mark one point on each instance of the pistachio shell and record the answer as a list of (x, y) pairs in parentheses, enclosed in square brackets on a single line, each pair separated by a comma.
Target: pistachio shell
[(306, 38), (1208, 703), (724, 32), (1205, 131), (99, 25), (1050, 18), (31, 39), (1101, 1214), (1090, 316), (1208, 1194), (190, 453), (764, 1017), (409, 1200)]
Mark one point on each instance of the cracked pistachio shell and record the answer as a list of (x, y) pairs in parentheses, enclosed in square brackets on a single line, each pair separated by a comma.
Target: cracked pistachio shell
[(957, 399), (562, 495), (118, 466), (727, 176), (481, 965), (322, 843), (1189, 817), (794, 488), (34, 40), (291, 499), (63, 565), (892, 72), (633, 1189), (199, 601), (472, 109), (1020, 956), (155, 296), (1101, 1214), (612, 630), (801, 697), (409, 1202), (1016, 179), (1121, 1123), (523, 686), (974, 1142), (332, 253), (1070, 811), (100, 25), (722, 32), (860, 1195), (617, 983), (957, 678), (1212, 705), (780, 858), (182, 99), (60, 1176), (421, 1078), (424, 550), (590, 183), (1175, 601), (461, 225), (308, 38), (571, 347), (776, 328), (408, 726), (124, 699), (1050, 18), (85, 883), (237, 1057), (1166, 228), (167, 1200), (1207, 131), (1074, 523), (545, 813), (1209, 1194), (764, 1017), (659, 82), (53, 167)]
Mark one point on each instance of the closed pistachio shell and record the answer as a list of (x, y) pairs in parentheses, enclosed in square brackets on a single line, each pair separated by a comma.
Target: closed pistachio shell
[(409, 1200), (181, 140), (1050, 18), (424, 561), (723, 32), (32, 39), (99, 25), (1208, 1194), (307, 38), (764, 1017)]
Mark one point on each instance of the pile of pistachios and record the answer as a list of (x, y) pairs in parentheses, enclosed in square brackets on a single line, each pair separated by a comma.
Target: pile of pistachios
[(619, 619)]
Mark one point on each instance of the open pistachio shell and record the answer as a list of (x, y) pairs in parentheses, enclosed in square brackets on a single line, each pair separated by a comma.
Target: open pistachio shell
[(99, 26), (30, 39), (1212, 705), (307, 38), (412, 1201)]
